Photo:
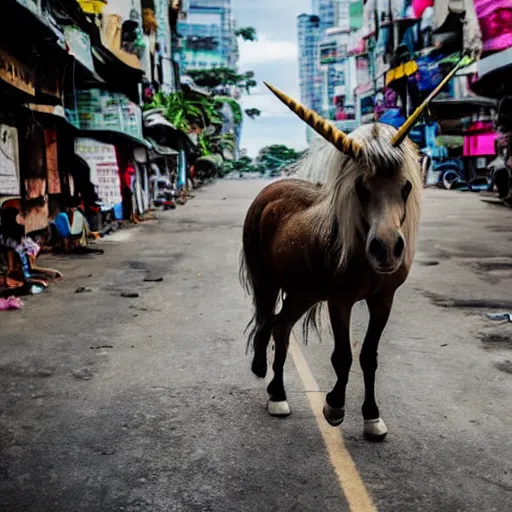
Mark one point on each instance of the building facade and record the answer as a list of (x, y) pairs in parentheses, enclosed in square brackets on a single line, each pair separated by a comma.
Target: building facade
[(326, 11), (308, 30), (208, 36)]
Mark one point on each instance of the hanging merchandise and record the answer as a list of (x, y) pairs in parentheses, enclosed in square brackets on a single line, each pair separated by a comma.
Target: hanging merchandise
[(429, 74), (495, 18), (393, 117), (419, 6), (9, 161), (455, 16)]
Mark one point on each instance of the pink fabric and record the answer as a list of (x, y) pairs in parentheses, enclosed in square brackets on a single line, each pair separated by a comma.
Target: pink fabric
[(479, 145), (495, 17), (480, 127), (419, 6), (11, 303)]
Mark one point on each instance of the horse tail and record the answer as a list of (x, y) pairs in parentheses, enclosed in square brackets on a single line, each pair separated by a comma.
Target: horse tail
[(244, 275), (312, 321), (253, 278)]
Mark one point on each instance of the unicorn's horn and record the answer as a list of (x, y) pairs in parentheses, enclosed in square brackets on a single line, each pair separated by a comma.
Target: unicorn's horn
[(328, 131), (411, 120)]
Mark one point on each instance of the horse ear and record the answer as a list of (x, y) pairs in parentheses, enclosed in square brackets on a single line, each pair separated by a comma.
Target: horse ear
[(406, 190)]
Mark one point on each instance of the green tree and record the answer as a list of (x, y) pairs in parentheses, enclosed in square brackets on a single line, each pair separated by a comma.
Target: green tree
[(252, 112), (213, 77), (277, 156), (246, 33), (183, 111)]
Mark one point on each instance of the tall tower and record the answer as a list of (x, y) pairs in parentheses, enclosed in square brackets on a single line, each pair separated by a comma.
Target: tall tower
[(308, 28), (325, 9)]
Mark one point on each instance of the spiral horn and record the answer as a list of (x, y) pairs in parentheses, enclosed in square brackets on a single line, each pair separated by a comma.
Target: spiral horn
[(323, 127)]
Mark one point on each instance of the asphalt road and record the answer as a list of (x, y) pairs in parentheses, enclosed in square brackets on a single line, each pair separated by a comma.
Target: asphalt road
[(110, 403)]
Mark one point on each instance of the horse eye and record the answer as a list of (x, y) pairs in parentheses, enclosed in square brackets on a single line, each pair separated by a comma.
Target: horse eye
[(406, 190), (362, 192)]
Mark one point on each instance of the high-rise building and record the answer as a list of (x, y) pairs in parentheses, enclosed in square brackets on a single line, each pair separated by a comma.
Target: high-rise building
[(325, 10), (308, 28), (208, 35), (342, 14)]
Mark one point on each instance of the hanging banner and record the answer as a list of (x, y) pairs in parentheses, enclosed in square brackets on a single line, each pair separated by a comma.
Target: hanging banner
[(52, 166), (104, 169), (79, 46), (16, 74), (36, 217), (9, 161)]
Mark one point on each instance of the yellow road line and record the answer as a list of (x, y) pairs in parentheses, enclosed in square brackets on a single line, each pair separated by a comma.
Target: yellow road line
[(355, 492)]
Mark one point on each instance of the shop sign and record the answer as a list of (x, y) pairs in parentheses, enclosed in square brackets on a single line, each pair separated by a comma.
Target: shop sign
[(97, 109), (16, 74), (102, 161), (9, 161)]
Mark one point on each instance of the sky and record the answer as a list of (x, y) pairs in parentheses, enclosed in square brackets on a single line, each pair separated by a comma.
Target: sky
[(274, 59)]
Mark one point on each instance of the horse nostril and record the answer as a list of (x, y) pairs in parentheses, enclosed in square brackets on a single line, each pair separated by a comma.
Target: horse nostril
[(399, 247), (378, 250)]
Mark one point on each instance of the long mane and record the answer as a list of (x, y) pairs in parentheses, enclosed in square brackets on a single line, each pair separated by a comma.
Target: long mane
[(339, 204)]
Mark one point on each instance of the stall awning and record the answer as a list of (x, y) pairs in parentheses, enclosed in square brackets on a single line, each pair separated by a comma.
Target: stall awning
[(115, 138), (79, 44), (457, 109), (494, 75), (154, 117), (407, 69), (162, 150), (56, 111)]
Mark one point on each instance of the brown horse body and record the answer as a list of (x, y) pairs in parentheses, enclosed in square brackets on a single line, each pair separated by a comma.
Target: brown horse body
[(350, 239)]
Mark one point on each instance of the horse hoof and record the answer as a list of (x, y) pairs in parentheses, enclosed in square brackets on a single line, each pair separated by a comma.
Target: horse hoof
[(280, 408), (259, 369), (334, 415), (375, 430)]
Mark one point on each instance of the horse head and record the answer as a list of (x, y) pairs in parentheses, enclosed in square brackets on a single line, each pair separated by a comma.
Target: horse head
[(374, 185)]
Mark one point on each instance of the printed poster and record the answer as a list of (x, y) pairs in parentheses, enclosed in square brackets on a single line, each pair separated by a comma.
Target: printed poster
[(104, 169), (9, 161)]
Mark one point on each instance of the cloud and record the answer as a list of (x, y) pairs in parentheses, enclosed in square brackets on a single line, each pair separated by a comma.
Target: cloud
[(266, 50)]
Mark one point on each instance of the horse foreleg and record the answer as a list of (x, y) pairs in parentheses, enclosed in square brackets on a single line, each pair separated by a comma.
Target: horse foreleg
[(379, 307), (293, 308), (334, 408)]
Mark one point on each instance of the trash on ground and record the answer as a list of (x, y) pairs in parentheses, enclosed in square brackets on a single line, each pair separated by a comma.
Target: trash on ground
[(500, 317), (153, 279), (82, 289), (130, 295), (11, 303)]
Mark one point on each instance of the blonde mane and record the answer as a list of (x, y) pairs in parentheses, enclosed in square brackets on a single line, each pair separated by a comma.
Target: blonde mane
[(339, 204)]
